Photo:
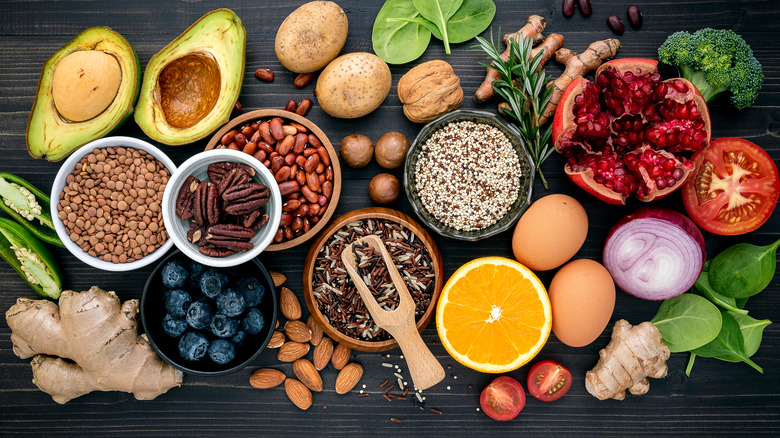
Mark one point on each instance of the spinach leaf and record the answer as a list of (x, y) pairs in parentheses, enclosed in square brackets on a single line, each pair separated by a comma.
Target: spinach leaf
[(470, 20), (703, 286), (396, 37), (752, 331), (439, 13), (728, 345), (743, 270), (687, 322)]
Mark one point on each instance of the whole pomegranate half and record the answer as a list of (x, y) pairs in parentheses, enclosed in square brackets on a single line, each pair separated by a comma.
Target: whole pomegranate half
[(624, 133)]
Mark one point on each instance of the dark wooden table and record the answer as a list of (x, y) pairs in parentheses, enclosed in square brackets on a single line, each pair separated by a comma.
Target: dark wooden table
[(719, 398)]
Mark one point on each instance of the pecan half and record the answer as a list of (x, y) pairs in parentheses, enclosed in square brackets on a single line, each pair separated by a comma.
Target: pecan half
[(230, 236), (218, 171), (244, 198), (235, 177), (185, 198), (195, 233), (215, 252)]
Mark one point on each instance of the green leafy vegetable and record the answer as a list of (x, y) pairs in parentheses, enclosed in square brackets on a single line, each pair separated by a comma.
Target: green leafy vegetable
[(687, 322), (728, 345), (752, 331), (470, 20), (703, 286), (396, 37), (439, 13), (522, 85), (743, 270)]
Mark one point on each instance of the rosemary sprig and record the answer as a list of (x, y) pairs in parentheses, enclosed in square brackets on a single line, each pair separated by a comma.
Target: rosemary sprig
[(522, 86)]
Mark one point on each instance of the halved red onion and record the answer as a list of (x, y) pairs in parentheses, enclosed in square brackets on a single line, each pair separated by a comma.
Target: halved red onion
[(654, 253)]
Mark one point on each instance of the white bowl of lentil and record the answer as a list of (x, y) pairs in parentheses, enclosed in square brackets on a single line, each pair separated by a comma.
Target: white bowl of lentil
[(197, 166), (106, 203), (475, 194)]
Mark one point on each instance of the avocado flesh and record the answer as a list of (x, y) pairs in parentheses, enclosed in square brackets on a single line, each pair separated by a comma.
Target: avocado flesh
[(54, 137), (191, 86)]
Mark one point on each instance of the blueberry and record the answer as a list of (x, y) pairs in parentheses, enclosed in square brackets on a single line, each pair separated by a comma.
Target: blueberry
[(222, 351), (211, 283), (176, 302), (223, 326), (252, 290), (239, 338), (193, 346), (174, 274), (196, 270), (230, 302), (200, 314), (253, 322), (173, 327)]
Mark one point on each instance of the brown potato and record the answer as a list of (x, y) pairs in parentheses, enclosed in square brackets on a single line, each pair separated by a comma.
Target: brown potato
[(311, 36), (356, 150), (391, 149), (384, 188), (353, 85)]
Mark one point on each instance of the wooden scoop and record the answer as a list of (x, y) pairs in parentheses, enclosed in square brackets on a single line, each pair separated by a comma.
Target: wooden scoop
[(426, 371)]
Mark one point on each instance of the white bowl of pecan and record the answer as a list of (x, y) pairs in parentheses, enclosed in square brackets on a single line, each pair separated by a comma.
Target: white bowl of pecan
[(222, 207)]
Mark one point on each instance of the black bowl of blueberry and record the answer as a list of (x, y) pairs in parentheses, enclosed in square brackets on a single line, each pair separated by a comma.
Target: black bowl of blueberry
[(208, 321)]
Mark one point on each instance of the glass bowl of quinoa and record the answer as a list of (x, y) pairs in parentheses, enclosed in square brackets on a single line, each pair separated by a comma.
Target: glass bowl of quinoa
[(468, 175)]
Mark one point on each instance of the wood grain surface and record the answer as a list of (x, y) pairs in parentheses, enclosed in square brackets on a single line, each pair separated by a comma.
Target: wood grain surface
[(719, 398)]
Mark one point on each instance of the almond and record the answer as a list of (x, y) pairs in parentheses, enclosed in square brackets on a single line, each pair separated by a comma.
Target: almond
[(322, 353), (348, 377), (298, 393), (278, 278), (265, 378), (297, 331), (292, 351), (289, 304), (307, 374), (316, 331), (340, 356), (277, 339)]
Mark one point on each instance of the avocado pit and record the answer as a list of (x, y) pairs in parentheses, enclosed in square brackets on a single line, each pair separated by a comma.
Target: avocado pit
[(85, 83), (189, 88)]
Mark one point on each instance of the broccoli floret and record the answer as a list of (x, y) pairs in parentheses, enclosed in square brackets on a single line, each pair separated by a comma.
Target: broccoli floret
[(716, 61)]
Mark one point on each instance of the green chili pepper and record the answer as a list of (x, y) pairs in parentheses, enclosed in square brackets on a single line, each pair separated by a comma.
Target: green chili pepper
[(29, 206), (31, 259)]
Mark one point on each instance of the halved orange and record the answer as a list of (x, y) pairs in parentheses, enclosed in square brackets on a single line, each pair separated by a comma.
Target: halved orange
[(493, 315)]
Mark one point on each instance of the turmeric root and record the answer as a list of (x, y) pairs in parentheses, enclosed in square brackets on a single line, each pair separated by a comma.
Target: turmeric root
[(532, 29), (577, 65), (633, 355), (100, 336)]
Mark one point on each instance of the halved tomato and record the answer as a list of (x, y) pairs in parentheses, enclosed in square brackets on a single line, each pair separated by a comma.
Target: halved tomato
[(734, 187), (503, 399), (548, 380)]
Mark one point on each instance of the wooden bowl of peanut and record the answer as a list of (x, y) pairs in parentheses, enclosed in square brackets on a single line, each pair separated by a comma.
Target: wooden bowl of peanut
[(304, 164)]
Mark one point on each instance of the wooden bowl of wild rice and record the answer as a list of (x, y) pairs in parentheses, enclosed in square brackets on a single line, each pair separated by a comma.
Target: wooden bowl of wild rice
[(331, 296)]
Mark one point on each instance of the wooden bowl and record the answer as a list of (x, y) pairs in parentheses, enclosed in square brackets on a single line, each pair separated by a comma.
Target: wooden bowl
[(314, 129), (339, 223)]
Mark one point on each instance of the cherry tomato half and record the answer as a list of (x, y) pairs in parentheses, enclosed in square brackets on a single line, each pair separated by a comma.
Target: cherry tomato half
[(503, 399), (734, 188), (548, 380)]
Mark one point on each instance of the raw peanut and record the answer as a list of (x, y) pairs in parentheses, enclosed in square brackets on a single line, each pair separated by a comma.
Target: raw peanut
[(277, 132), (323, 155), (228, 137), (303, 107), (298, 393), (568, 7), (282, 174), (348, 377), (297, 331), (289, 130), (291, 106), (264, 74), (285, 146), (341, 356), (316, 331), (265, 378), (277, 340), (307, 374), (288, 187), (265, 132), (289, 304), (585, 7), (303, 80), (278, 279), (300, 142), (322, 353), (616, 24), (291, 351), (634, 16)]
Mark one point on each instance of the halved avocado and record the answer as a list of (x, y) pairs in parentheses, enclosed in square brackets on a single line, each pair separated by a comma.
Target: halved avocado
[(86, 89), (191, 86)]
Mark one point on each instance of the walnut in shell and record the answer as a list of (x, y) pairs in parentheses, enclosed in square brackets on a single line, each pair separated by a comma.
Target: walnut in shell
[(429, 90)]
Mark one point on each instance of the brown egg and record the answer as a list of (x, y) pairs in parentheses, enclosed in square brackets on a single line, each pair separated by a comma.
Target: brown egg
[(550, 232), (582, 297)]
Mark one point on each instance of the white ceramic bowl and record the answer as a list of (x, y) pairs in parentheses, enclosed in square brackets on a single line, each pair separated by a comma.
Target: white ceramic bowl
[(197, 166), (59, 184)]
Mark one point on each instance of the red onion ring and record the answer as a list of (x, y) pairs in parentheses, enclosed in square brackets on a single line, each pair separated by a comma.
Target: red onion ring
[(654, 253)]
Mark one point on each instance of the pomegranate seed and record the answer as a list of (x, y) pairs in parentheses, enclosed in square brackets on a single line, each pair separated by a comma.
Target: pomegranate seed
[(680, 86), (660, 183), (678, 174)]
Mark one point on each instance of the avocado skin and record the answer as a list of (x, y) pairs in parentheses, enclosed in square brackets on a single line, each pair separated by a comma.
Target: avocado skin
[(50, 136), (219, 34)]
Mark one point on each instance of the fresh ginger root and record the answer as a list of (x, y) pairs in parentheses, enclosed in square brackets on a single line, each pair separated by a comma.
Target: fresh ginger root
[(632, 355), (532, 29), (577, 65), (91, 329)]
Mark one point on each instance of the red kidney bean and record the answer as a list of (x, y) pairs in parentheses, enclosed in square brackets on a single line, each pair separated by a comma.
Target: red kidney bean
[(323, 155), (288, 234), (303, 210), (314, 141), (293, 170), (291, 205), (249, 148), (297, 224), (285, 146), (300, 177), (615, 24), (306, 225), (264, 74), (300, 143), (276, 163), (267, 163), (568, 7), (265, 147), (240, 139), (329, 173), (585, 7), (311, 163), (260, 155), (277, 131), (310, 195), (256, 137), (247, 131), (309, 152), (634, 16), (289, 159), (265, 132), (282, 174), (313, 182), (320, 168), (286, 219), (314, 209), (234, 146), (322, 200), (237, 108), (228, 137), (291, 106), (299, 127), (300, 160), (288, 187), (303, 107), (327, 189), (303, 80), (279, 236)]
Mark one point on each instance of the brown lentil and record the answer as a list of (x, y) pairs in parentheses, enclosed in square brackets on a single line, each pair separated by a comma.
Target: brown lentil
[(468, 175), (99, 211)]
